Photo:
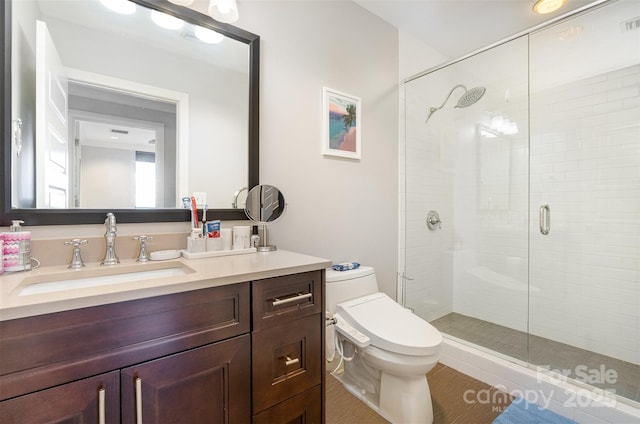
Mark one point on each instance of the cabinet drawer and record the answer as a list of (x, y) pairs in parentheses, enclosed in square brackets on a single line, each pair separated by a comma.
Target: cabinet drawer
[(286, 361), (84, 401), (280, 300), (305, 408)]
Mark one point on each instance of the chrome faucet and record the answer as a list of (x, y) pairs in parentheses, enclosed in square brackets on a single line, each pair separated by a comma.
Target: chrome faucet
[(110, 257)]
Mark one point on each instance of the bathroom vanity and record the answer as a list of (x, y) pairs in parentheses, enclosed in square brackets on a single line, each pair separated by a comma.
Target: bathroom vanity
[(236, 339)]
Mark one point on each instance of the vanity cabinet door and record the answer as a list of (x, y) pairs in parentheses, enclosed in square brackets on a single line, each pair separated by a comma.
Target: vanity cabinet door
[(92, 400), (210, 384)]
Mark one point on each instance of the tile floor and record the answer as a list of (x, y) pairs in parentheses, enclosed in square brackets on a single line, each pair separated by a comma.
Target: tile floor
[(543, 352), (481, 404)]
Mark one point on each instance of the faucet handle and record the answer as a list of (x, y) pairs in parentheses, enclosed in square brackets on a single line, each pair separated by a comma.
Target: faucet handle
[(144, 255), (76, 259)]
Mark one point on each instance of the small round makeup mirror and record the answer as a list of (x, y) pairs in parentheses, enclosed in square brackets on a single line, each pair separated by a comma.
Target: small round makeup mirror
[(265, 203)]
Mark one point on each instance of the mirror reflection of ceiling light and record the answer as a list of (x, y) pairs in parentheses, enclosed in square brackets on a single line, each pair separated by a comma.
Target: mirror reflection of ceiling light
[(166, 21), (124, 7), (208, 36), (223, 10), (547, 6), (500, 125)]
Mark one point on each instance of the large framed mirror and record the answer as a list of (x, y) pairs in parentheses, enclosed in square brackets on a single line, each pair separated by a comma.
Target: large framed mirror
[(125, 111)]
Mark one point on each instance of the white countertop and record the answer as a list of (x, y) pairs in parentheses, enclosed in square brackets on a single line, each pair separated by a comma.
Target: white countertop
[(198, 274)]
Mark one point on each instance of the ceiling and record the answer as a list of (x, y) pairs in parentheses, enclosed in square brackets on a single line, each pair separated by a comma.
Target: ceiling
[(457, 27)]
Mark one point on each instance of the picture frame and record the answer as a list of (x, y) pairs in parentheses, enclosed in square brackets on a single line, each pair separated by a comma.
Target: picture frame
[(341, 124)]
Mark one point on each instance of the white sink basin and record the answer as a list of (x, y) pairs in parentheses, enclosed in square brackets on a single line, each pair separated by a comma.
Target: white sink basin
[(82, 278)]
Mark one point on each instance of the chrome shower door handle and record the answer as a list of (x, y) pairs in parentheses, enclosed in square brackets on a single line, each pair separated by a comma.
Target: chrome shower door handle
[(545, 219)]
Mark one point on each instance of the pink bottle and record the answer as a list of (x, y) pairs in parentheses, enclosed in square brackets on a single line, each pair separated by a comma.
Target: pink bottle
[(16, 248)]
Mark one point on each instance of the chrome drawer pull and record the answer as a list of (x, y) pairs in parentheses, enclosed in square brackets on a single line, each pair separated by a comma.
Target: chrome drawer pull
[(277, 301), (288, 361), (101, 399), (138, 401)]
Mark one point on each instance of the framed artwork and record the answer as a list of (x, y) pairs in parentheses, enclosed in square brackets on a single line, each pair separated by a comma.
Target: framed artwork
[(341, 124)]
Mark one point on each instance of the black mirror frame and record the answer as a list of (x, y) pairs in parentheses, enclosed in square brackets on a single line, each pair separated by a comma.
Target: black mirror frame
[(33, 217)]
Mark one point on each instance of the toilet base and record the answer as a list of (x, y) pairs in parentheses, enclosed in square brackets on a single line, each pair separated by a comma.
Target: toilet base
[(405, 399), (369, 399), (401, 400)]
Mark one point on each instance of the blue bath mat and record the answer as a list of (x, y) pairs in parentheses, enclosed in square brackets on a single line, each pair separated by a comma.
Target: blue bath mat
[(523, 412)]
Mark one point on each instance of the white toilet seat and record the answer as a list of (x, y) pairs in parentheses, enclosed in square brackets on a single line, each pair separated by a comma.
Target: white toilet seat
[(390, 326)]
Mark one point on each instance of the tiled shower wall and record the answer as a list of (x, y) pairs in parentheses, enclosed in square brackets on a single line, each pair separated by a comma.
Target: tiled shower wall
[(585, 164)]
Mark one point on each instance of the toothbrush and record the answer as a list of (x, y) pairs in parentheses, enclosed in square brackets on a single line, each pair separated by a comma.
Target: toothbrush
[(194, 212), (204, 220)]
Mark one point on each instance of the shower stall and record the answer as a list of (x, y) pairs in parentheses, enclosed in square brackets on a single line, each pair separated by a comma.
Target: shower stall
[(522, 199)]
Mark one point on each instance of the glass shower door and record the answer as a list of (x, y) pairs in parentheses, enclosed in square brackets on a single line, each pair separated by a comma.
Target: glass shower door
[(584, 308), (467, 159)]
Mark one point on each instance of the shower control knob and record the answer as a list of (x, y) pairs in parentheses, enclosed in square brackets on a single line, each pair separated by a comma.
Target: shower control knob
[(433, 220)]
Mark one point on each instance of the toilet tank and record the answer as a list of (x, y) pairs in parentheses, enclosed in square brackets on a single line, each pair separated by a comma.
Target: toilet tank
[(347, 285)]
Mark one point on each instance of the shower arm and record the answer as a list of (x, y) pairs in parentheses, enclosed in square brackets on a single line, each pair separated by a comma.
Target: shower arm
[(433, 110)]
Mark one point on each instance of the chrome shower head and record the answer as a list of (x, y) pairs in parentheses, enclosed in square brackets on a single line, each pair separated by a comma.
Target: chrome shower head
[(471, 96), (467, 99)]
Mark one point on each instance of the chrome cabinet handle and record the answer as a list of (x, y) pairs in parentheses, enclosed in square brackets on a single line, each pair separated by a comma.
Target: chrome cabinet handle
[(288, 361), (545, 219), (101, 411), (138, 400), (277, 301)]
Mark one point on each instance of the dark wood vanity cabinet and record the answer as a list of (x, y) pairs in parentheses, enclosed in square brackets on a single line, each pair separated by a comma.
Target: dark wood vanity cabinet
[(191, 357), (288, 355), (205, 385), (82, 401)]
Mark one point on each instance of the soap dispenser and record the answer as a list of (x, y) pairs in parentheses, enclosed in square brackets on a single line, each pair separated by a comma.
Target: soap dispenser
[(16, 248)]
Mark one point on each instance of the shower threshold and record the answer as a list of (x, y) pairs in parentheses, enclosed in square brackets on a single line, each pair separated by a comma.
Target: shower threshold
[(606, 373)]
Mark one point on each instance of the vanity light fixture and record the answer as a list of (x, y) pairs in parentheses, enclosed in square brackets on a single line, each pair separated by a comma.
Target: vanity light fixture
[(166, 21), (225, 11), (124, 7), (547, 6), (207, 35)]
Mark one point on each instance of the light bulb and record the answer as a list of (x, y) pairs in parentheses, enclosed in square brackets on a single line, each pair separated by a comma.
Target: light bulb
[(547, 6), (225, 11), (166, 21), (208, 36)]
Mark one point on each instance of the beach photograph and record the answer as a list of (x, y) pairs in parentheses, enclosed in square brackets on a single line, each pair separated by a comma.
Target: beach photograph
[(342, 119)]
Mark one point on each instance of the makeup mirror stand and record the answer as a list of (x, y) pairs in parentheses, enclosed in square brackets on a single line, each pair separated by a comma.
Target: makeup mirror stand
[(264, 204)]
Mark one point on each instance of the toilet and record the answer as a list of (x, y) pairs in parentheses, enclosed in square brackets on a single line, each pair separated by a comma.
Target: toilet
[(389, 373)]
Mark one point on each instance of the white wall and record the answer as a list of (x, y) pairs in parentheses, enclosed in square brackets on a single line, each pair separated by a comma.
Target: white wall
[(343, 210), (338, 209), (107, 178)]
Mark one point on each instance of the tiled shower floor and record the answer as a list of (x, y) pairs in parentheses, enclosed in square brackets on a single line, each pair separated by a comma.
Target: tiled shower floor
[(542, 352)]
